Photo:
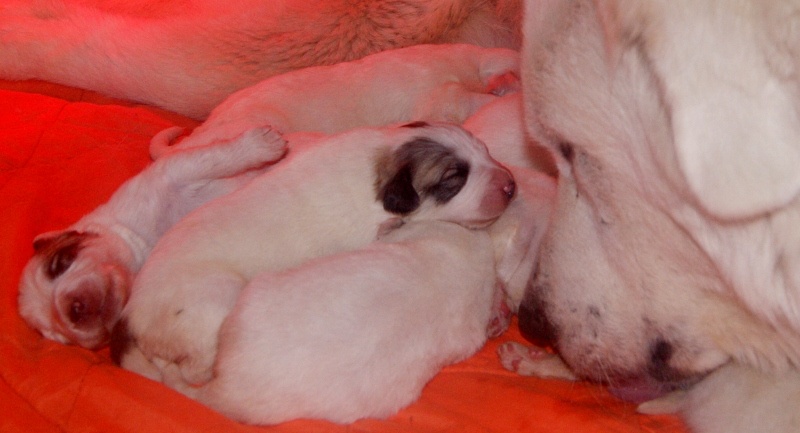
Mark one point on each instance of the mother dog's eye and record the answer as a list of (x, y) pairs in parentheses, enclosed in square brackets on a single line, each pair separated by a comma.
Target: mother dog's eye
[(567, 150)]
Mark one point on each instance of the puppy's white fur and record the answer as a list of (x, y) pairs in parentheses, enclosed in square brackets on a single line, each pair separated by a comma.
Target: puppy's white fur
[(425, 82), (328, 197), (419, 298), (674, 247), (499, 124), (74, 287), (356, 334), (189, 59)]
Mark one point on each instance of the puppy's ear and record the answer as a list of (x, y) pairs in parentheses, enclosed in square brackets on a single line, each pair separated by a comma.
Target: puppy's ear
[(59, 249), (43, 241), (730, 77), (398, 194)]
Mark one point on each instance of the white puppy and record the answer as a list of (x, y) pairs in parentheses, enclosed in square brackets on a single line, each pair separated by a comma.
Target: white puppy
[(356, 334), (675, 246), (324, 198), (74, 287), (189, 57), (425, 82), (416, 300), (499, 124)]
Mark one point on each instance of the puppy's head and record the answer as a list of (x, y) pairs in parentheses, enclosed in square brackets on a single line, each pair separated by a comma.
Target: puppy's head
[(442, 172), (672, 249), (73, 288)]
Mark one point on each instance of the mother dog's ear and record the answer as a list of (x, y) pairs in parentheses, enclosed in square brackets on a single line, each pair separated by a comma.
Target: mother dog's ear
[(732, 86)]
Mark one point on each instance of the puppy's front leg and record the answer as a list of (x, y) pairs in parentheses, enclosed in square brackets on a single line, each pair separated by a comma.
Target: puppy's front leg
[(254, 148)]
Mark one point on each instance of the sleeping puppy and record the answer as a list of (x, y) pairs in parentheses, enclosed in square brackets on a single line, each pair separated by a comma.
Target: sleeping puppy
[(74, 287), (322, 199), (674, 247), (356, 334), (425, 82), (424, 295), (499, 124), (188, 59), (433, 95)]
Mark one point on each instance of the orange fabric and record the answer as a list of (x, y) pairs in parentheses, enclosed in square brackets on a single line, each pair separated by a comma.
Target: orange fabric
[(60, 156)]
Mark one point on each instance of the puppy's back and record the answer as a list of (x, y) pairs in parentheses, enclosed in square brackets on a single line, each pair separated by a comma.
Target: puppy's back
[(356, 334)]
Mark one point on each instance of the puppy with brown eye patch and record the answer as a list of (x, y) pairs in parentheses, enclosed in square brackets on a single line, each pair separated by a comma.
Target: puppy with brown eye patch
[(74, 287), (325, 197)]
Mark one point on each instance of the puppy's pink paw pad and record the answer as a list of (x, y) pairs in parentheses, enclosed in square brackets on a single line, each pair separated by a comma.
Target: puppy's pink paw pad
[(532, 361)]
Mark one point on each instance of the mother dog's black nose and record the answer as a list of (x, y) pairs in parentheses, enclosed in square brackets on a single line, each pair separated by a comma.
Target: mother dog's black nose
[(533, 322)]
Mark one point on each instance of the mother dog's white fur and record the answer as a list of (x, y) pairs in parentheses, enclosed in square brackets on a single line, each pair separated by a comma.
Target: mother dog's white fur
[(327, 197), (74, 287), (425, 82), (357, 334), (675, 246), (190, 59)]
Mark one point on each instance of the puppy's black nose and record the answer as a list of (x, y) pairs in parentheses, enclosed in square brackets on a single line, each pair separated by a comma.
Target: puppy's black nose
[(533, 322)]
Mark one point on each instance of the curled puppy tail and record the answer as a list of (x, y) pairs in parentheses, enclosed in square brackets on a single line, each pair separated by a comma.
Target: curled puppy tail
[(162, 143)]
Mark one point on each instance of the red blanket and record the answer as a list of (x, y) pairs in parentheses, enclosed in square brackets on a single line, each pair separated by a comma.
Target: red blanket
[(64, 151)]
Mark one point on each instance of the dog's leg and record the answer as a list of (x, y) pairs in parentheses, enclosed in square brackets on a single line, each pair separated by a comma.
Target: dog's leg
[(501, 313), (254, 148), (533, 361)]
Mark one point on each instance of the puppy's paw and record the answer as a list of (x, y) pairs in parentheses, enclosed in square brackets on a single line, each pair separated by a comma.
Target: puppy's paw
[(265, 143), (197, 370), (163, 143), (533, 361), (501, 314)]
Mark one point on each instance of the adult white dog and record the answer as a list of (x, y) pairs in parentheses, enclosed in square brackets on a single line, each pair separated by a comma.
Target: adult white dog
[(675, 246), (188, 56), (327, 197), (74, 287)]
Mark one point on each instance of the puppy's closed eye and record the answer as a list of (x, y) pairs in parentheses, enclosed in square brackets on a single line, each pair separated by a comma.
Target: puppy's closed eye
[(451, 182)]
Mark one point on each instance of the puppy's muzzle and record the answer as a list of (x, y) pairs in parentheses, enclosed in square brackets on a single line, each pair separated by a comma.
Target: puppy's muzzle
[(506, 188)]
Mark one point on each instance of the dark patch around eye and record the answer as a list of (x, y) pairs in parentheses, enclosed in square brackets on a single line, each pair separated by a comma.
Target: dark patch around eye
[(60, 251), (62, 260), (450, 184)]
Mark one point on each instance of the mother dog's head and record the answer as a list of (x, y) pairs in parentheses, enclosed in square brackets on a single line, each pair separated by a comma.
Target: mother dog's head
[(675, 245)]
